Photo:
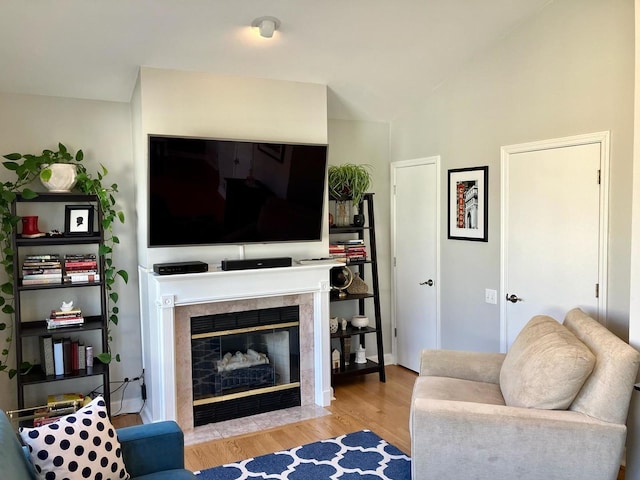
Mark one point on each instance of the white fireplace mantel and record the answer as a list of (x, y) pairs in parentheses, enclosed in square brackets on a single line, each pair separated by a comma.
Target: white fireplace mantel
[(161, 294)]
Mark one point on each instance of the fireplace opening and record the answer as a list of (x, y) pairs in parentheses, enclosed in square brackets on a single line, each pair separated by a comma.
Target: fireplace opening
[(245, 363)]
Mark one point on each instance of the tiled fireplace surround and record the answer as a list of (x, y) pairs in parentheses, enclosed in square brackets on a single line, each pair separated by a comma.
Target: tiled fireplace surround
[(174, 299)]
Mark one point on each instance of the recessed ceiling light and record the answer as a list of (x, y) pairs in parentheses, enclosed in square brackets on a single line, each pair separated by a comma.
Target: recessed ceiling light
[(266, 25)]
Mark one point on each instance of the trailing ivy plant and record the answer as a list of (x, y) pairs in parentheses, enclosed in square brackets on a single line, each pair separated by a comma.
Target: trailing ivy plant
[(27, 168)]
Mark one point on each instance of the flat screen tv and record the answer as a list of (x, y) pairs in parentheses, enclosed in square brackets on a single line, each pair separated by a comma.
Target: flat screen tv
[(205, 191)]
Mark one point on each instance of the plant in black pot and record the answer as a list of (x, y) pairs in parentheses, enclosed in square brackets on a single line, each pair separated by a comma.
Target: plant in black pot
[(348, 182)]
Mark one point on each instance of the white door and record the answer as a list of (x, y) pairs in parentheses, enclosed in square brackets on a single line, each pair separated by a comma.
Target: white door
[(553, 230), (414, 212)]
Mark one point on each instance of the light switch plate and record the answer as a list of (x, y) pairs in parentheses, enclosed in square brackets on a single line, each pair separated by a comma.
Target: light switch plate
[(490, 296)]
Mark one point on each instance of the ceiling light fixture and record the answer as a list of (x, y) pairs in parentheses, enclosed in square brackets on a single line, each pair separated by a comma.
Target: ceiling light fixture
[(266, 25)]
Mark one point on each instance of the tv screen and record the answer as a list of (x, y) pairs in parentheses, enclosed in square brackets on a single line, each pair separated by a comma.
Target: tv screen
[(205, 191)]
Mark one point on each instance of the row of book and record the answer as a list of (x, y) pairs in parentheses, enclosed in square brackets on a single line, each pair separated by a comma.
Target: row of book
[(50, 268), (64, 356), (348, 251)]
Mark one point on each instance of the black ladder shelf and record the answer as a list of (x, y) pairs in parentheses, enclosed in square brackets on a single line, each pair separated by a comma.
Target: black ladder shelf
[(365, 300)]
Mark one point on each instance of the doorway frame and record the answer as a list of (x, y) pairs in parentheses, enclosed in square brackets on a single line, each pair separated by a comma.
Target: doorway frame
[(602, 138), (393, 167)]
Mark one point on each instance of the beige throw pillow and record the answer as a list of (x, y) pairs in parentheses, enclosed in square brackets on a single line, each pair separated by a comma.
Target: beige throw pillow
[(545, 367)]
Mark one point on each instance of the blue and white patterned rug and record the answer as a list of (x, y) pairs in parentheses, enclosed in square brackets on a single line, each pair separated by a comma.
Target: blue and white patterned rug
[(359, 455)]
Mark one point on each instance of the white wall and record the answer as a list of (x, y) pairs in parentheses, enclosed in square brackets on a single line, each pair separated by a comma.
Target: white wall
[(29, 124), (205, 105), (567, 71)]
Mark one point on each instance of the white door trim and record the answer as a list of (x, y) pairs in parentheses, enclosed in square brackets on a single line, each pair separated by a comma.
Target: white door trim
[(603, 139), (394, 166)]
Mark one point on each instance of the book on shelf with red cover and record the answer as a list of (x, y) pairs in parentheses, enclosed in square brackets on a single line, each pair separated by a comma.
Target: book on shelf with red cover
[(75, 365)]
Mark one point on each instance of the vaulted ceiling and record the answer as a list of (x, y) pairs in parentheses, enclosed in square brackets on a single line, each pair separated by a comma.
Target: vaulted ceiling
[(376, 56)]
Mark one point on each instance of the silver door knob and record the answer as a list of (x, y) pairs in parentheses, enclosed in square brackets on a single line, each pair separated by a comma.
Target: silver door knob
[(428, 282), (513, 298)]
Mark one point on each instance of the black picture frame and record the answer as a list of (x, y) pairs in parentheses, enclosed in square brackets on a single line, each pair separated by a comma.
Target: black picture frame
[(78, 220), (468, 202)]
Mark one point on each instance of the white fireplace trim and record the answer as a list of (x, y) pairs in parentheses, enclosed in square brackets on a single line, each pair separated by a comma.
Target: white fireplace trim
[(160, 294)]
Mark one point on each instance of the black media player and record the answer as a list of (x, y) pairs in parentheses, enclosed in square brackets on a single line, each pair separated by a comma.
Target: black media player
[(180, 267)]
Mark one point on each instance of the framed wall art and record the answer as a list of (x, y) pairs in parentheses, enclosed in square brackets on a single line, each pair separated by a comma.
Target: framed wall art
[(468, 200), (78, 220)]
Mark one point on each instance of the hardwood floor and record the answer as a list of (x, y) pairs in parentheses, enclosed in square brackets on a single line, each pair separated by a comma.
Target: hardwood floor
[(361, 403)]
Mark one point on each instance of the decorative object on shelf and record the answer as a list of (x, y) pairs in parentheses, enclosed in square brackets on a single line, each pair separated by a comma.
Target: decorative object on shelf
[(358, 285), (335, 359), (360, 321), (66, 306), (341, 278), (343, 213), (349, 182), (28, 168), (344, 324), (346, 353), (30, 227), (78, 220), (62, 177), (333, 324), (468, 204), (361, 355)]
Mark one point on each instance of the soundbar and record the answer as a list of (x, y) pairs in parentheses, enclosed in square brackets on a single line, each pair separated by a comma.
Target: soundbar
[(256, 263), (180, 267)]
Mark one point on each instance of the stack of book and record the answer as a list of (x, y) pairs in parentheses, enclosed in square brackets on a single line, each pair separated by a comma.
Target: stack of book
[(58, 406), (41, 269), (348, 251), (65, 318), (79, 268)]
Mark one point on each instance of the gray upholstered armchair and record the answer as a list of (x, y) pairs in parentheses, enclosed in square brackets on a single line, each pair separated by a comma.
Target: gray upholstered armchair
[(554, 407)]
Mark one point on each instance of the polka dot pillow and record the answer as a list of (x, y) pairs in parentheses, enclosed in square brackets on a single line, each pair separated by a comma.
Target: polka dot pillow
[(82, 445)]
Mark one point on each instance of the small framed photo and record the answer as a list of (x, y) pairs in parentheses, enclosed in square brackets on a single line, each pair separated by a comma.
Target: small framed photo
[(468, 200), (78, 220)]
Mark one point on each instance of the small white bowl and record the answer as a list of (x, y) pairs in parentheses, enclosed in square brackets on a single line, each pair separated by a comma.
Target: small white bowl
[(360, 321)]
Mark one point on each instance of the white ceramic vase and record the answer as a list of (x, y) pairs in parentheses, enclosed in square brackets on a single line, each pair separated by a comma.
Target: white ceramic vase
[(360, 321), (333, 324), (63, 177)]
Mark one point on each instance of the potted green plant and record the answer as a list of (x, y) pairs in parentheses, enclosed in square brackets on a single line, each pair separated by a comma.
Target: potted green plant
[(28, 167), (348, 182)]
